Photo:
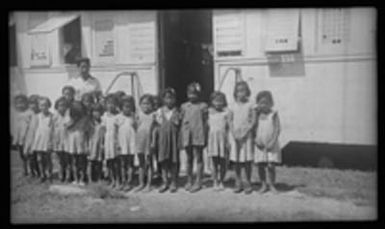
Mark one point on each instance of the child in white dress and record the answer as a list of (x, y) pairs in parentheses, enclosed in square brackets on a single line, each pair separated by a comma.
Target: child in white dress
[(22, 118), (267, 152), (126, 138), (96, 143), (218, 144), (241, 125), (43, 141), (109, 121)]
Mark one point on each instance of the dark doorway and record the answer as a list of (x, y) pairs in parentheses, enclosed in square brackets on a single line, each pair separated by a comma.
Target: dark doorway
[(185, 51)]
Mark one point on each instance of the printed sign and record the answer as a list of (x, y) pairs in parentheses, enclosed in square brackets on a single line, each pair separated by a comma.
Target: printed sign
[(142, 41), (40, 55), (104, 38), (229, 33)]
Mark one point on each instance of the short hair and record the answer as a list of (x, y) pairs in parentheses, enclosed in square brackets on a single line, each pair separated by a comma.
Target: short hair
[(97, 107), (170, 91), (33, 99), (112, 98), (265, 94), (45, 98), (83, 60), (244, 83), (194, 87), (128, 99), (149, 97), (21, 97), (60, 100), (68, 87), (218, 94)]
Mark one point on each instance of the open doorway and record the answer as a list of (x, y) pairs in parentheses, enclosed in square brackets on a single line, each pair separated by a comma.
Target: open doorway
[(185, 51)]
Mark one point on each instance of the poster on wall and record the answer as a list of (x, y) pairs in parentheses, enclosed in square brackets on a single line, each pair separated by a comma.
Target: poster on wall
[(104, 39), (40, 55), (142, 41), (282, 30), (229, 34)]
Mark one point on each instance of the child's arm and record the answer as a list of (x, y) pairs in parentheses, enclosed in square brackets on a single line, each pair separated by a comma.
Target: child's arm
[(276, 132)]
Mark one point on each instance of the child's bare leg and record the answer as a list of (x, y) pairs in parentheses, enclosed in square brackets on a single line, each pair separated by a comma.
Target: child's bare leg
[(199, 161), (164, 168), (24, 160), (248, 169), (238, 182), (130, 169), (262, 176), (174, 176), (149, 171), (214, 174), (70, 168), (222, 169), (49, 165), (189, 168), (271, 177), (141, 172)]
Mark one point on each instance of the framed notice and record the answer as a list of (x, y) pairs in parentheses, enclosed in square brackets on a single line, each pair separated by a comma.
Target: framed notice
[(141, 41), (104, 39), (40, 55), (229, 34), (283, 30)]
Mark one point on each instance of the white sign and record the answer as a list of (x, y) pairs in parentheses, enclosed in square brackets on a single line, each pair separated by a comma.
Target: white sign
[(40, 55), (142, 41), (282, 34), (229, 32)]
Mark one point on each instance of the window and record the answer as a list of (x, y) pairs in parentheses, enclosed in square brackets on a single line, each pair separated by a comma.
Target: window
[(229, 35), (71, 41), (334, 26)]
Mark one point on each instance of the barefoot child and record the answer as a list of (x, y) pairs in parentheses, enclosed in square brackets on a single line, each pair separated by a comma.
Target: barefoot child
[(43, 141), (33, 109), (218, 147), (126, 138), (60, 145), (110, 138), (145, 127), (20, 124), (168, 118), (268, 152), (96, 143), (241, 125), (193, 134)]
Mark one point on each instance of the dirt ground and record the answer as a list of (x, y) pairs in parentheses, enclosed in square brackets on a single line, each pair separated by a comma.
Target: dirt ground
[(306, 194)]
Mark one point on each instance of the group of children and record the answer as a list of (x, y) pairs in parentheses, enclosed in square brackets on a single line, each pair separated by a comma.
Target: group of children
[(112, 137)]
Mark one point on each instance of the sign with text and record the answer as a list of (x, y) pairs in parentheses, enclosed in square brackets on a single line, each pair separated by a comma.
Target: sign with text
[(142, 41), (229, 33), (40, 56), (104, 39)]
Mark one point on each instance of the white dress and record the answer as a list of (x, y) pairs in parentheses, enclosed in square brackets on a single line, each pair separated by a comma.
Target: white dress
[(126, 134), (264, 133), (30, 134), (218, 144), (60, 133), (111, 135), (44, 133), (20, 125), (241, 119)]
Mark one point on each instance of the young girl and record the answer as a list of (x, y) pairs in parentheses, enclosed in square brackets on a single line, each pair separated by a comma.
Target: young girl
[(77, 126), (168, 118), (155, 138), (126, 138), (33, 109), (96, 143), (242, 122), (144, 137), (20, 126), (68, 92), (268, 151), (218, 147), (110, 138), (193, 133), (60, 136), (43, 141)]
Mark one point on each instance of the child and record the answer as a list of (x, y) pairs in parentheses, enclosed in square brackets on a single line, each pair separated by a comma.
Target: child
[(193, 133), (110, 138), (126, 137), (68, 92), (77, 126), (168, 118), (96, 143), (20, 126), (268, 151), (43, 141), (144, 135), (242, 122), (87, 100), (155, 138), (60, 136), (219, 122), (33, 109)]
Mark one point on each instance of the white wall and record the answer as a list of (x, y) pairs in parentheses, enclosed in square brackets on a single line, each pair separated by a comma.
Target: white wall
[(326, 95)]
